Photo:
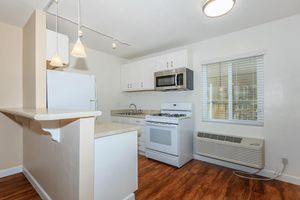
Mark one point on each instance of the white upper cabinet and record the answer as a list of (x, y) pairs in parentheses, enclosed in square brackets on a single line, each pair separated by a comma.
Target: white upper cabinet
[(63, 46), (148, 69), (138, 76), (127, 76), (173, 60)]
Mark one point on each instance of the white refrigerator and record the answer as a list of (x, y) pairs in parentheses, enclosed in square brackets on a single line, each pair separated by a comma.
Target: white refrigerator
[(70, 90)]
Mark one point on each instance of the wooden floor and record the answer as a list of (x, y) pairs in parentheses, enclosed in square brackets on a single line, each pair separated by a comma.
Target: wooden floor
[(17, 187), (195, 181), (200, 181)]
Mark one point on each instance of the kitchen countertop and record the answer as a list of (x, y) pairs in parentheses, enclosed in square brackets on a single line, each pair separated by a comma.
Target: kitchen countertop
[(142, 115), (104, 129), (50, 114)]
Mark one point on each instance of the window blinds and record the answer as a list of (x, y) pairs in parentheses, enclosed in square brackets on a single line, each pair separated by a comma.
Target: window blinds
[(233, 91)]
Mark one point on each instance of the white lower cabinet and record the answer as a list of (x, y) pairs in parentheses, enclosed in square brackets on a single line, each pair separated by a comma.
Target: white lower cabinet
[(141, 134), (116, 165)]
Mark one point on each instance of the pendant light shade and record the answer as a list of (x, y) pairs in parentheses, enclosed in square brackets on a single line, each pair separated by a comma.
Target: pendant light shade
[(216, 8), (56, 60), (79, 49)]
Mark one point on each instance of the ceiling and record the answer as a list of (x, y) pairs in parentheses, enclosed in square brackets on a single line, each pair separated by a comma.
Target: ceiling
[(152, 25)]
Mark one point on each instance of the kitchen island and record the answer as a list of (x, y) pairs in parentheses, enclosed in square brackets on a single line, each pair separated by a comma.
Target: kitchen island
[(58, 150), (116, 173), (66, 155)]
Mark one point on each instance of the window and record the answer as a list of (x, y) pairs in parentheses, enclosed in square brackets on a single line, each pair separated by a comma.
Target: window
[(233, 91)]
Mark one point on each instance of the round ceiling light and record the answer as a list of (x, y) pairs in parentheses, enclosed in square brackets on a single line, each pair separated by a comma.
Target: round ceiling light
[(216, 8)]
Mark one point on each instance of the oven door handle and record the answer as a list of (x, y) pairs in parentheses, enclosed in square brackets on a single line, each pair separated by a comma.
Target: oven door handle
[(161, 124)]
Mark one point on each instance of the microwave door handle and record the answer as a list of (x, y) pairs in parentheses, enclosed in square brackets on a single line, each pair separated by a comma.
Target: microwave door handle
[(176, 80)]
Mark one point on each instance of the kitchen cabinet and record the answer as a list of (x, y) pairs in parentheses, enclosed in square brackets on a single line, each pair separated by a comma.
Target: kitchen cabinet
[(141, 134), (127, 76), (138, 76), (173, 60), (116, 167), (63, 46)]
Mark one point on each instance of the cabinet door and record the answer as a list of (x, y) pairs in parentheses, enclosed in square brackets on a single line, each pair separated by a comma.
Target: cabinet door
[(179, 59), (137, 78), (63, 46), (149, 68), (126, 77), (163, 63)]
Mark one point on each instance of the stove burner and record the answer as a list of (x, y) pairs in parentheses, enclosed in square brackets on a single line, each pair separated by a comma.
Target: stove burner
[(170, 115)]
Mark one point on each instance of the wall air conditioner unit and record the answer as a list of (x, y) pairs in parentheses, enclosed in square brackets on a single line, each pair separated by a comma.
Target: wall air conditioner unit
[(240, 150)]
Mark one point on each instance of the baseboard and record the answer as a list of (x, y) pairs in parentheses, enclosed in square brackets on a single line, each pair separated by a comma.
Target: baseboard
[(10, 171), (266, 173), (284, 177), (36, 185)]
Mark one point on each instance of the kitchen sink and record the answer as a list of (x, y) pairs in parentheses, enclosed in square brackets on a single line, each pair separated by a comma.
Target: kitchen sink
[(130, 113)]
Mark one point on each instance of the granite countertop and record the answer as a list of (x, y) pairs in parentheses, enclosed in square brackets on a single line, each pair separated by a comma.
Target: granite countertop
[(50, 114), (103, 129), (142, 115)]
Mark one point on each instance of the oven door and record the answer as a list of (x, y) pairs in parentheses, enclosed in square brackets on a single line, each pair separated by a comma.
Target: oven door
[(162, 137)]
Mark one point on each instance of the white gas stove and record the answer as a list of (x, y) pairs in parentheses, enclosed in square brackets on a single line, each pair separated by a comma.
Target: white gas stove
[(169, 135)]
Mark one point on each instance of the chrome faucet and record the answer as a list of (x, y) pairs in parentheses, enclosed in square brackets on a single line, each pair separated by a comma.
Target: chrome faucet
[(135, 108)]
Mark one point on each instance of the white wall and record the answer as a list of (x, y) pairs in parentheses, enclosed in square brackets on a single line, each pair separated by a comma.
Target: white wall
[(106, 69), (281, 41), (11, 95)]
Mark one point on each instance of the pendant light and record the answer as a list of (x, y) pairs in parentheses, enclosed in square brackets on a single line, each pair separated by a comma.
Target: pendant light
[(56, 60), (79, 49), (216, 8)]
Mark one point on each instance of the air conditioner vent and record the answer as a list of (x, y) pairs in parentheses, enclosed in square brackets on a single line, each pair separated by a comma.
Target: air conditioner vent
[(220, 137), (239, 150)]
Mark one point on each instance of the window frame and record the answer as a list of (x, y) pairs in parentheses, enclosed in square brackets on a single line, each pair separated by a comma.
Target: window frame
[(260, 93)]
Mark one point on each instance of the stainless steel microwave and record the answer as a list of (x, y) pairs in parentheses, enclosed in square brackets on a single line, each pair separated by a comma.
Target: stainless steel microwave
[(175, 79)]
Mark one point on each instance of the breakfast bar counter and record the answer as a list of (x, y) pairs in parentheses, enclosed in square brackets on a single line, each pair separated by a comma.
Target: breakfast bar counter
[(104, 129)]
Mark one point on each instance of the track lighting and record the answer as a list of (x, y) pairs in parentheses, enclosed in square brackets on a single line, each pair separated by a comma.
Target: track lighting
[(114, 44)]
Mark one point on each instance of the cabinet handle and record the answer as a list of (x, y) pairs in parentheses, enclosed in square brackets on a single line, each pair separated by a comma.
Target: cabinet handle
[(167, 64), (142, 85), (171, 63)]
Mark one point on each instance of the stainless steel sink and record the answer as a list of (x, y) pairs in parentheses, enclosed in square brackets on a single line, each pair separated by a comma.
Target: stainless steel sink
[(131, 113)]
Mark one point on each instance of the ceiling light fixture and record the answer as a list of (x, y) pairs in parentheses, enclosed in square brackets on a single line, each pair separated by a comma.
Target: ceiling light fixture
[(217, 8), (56, 60), (114, 44), (79, 49)]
